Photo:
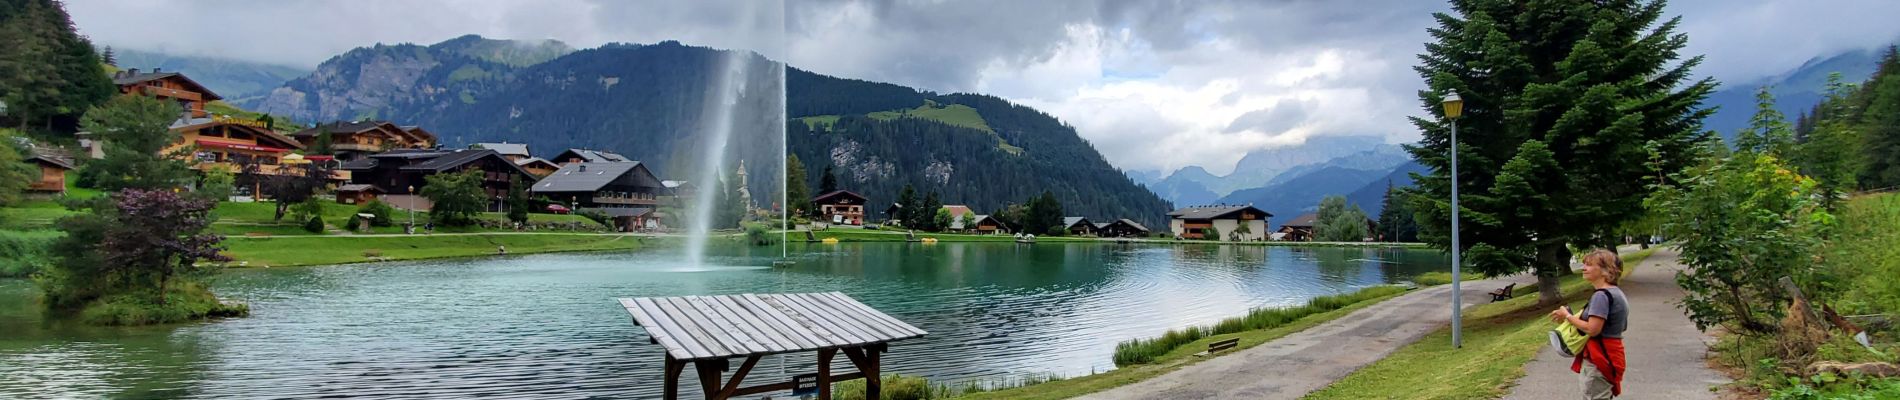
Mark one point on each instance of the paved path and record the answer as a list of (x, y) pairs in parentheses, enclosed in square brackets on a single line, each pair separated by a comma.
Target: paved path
[(1308, 360), (1664, 350)]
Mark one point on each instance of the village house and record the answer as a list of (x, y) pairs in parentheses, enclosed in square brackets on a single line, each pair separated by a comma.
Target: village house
[(357, 193), (537, 166), (510, 151), (400, 174), (891, 213), (1121, 228), (957, 214), (986, 225), (1219, 222), (171, 86), (625, 191), (1298, 229), (231, 144), (1078, 226), (571, 156), (354, 139), (840, 207), (679, 191)]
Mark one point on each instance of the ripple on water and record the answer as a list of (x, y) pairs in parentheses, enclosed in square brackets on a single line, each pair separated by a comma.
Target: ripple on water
[(546, 326)]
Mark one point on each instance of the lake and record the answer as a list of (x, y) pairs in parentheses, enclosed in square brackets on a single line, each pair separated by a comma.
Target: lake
[(547, 326)]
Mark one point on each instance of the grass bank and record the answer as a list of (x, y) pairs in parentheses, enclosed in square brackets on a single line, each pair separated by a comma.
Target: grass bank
[(1183, 354), (308, 250), (22, 252), (1499, 339)]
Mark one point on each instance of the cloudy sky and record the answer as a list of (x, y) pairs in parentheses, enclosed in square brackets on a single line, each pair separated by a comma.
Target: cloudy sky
[(1155, 85)]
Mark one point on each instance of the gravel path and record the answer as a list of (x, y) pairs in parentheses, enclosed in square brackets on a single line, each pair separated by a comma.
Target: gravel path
[(1666, 353)]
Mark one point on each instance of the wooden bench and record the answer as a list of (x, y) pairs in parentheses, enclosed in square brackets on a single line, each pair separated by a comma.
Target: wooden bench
[(1508, 291), (1219, 346)]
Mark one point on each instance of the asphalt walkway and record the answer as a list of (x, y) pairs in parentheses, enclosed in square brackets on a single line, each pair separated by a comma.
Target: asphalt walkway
[(1308, 360), (1665, 352)]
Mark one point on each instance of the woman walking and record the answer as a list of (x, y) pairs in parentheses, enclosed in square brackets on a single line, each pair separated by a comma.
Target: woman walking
[(1604, 319)]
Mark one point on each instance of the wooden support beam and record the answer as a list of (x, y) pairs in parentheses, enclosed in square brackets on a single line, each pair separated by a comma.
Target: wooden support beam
[(732, 385), (788, 385), (671, 379), (709, 373), (874, 377), (824, 372)]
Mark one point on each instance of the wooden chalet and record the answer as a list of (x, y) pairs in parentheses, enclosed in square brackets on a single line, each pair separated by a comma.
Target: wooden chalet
[(1298, 229), (1121, 228), (1078, 226), (510, 151), (841, 207), (1220, 223), (167, 86), (571, 156), (625, 191), (220, 142), (402, 172), (891, 213), (987, 225), (53, 170), (357, 193), (537, 166), (354, 139)]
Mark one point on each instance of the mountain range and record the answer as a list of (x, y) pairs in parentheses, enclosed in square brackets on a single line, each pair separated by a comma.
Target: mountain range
[(233, 79), (648, 102), (1796, 91)]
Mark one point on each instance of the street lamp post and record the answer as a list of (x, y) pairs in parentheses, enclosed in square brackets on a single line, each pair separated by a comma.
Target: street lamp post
[(412, 209), (1454, 108)]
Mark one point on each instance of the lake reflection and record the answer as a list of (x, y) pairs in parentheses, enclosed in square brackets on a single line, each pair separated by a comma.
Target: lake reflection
[(547, 326)]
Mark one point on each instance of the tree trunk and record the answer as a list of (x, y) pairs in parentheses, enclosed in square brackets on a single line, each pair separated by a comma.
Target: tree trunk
[(1552, 261)]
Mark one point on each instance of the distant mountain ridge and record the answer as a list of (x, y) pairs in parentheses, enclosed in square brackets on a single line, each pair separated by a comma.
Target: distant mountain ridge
[(1796, 91), (230, 78), (645, 101)]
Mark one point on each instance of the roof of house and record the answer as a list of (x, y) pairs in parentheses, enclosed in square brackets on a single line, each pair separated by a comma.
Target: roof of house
[(1132, 223), (53, 159), (837, 193), (957, 211), (1212, 212), (674, 184), (358, 187), (506, 149), (347, 127), (1303, 221), (183, 123), (1071, 221), (132, 76), (593, 155), (590, 176), (453, 159), (418, 132), (534, 160)]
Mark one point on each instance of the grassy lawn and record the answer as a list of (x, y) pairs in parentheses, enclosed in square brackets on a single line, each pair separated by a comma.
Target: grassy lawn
[(257, 217), (1180, 357), (294, 251), (1499, 339)]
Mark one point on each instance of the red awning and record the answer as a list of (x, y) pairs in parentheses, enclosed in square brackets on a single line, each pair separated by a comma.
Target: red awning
[(319, 158), (240, 146)]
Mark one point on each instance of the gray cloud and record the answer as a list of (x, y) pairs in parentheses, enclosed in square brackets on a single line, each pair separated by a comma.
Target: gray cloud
[(1150, 82)]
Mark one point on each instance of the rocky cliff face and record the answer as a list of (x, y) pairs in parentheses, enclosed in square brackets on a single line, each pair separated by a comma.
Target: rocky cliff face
[(370, 82)]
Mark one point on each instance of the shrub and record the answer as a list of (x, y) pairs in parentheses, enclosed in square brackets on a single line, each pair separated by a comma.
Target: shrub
[(181, 302), (759, 235), (315, 225), (372, 253), (382, 212), (22, 253), (895, 387), (1744, 222)]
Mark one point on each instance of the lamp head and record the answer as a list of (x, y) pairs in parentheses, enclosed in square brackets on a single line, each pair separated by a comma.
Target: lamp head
[(1454, 105)]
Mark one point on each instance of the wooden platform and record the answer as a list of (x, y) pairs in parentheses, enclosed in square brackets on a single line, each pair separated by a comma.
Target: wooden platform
[(708, 330)]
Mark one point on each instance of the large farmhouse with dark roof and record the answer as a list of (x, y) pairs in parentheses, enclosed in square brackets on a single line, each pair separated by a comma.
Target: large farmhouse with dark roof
[(402, 172), (1219, 222), (626, 191)]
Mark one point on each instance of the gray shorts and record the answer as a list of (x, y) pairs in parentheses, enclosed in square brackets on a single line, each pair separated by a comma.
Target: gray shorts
[(1595, 386)]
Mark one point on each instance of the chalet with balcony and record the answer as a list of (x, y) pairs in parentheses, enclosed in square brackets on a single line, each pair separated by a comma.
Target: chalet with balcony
[(221, 142), (841, 207), (402, 173), (354, 139), (959, 214), (1219, 222), (572, 156), (1121, 228), (987, 225), (171, 86), (626, 191)]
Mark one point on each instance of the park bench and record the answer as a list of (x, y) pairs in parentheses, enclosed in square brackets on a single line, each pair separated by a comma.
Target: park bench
[(1219, 346), (1508, 291)]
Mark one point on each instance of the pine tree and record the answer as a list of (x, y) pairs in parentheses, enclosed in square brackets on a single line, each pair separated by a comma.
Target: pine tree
[(324, 145), (1831, 154), (1395, 219), (1879, 124), (1556, 96), (138, 128), (907, 207), (15, 174), (109, 58), (48, 73), (797, 191), (829, 183), (1768, 131), (931, 205)]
